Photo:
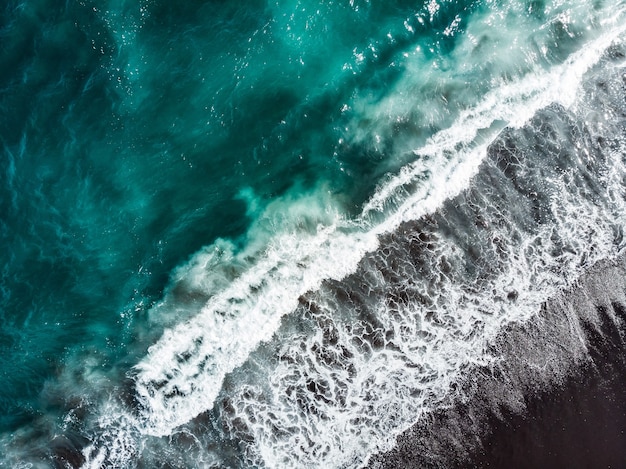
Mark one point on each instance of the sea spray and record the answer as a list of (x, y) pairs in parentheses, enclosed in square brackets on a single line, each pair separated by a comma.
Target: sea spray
[(409, 153), (190, 367)]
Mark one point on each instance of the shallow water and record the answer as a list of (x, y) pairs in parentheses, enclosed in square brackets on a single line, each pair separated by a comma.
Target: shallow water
[(277, 235)]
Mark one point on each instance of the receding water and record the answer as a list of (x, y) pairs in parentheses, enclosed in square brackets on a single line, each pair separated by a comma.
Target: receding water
[(277, 234)]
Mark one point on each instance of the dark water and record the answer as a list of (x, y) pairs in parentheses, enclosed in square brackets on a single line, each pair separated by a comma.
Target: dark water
[(280, 234)]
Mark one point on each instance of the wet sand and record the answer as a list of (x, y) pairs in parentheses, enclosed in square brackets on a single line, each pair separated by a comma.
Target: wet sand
[(558, 400)]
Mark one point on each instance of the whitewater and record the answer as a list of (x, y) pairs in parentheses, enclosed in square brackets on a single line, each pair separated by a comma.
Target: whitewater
[(331, 326)]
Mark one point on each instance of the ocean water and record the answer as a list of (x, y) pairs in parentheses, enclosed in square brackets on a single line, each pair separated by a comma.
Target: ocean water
[(279, 234)]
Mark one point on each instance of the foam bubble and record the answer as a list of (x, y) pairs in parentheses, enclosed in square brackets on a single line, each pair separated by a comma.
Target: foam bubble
[(376, 374), (438, 163), (183, 372), (391, 340)]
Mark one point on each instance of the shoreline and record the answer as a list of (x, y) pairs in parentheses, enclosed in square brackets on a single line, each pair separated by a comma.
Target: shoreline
[(558, 398)]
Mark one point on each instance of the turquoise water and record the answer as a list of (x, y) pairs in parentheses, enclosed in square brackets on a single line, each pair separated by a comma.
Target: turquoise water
[(128, 135), (161, 158)]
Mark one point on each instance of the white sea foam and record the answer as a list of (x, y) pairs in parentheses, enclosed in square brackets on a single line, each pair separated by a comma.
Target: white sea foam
[(182, 373), (368, 397), (116, 442), (346, 391), (439, 162)]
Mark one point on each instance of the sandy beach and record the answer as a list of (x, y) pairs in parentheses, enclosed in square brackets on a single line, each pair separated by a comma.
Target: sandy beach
[(558, 398)]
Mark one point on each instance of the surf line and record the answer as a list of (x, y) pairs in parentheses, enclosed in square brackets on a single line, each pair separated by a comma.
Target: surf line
[(182, 373)]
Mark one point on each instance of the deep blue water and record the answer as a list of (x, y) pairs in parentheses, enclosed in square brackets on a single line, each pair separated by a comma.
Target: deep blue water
[(188, 177)]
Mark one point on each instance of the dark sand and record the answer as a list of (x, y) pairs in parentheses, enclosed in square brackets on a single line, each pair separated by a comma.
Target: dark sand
[(557, 401)]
